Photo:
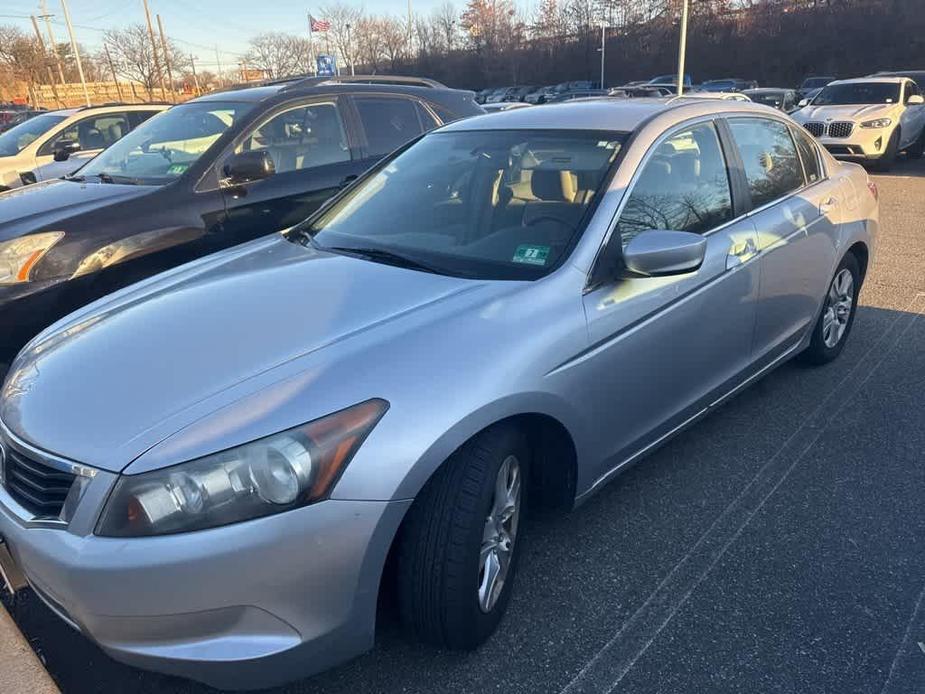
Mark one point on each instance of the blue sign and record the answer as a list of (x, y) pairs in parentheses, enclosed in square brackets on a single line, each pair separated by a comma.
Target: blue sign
[(326, 66)]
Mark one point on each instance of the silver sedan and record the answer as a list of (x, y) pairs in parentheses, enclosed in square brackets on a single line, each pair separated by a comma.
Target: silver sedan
[(208, 472)]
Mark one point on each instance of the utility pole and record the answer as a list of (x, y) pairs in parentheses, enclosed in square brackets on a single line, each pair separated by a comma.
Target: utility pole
[(682, 47), (410, 31), (70, 32), (192, 62), (218, 59), (353, 71), (160, 29), (157, 65), (51, 76), (112, 68), (51, 37)]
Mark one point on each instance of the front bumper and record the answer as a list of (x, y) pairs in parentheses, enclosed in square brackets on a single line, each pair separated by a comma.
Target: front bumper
[(864, 144), (248, 605)]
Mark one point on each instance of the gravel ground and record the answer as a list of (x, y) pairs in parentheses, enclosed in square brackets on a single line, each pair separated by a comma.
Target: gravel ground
[(777, 546)]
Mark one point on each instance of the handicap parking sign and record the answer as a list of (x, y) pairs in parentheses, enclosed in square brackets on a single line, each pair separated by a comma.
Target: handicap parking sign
[(326, 66)]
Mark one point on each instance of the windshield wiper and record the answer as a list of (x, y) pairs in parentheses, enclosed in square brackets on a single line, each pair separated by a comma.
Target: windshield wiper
[(74, 177), (384, 256), (109, 178)]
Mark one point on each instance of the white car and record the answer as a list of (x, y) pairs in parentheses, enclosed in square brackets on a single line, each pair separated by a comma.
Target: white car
[(868, 119), (55, 135), (723, 96)]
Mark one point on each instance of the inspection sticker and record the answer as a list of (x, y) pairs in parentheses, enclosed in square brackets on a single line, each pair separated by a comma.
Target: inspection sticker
[(177, 168), (531, 255)]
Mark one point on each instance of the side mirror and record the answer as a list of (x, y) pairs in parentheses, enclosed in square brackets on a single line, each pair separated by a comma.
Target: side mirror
[(803, 102), (64, 150), (662, 253), (916, 100), (244, 167)]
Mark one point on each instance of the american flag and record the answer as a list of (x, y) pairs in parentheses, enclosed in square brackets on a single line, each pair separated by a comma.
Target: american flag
[(319, 24)]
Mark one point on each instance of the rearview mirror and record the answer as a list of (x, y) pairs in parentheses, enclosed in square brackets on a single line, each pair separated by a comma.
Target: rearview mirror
[(64, 150), (662, 253), (916, 100), (244, 167)]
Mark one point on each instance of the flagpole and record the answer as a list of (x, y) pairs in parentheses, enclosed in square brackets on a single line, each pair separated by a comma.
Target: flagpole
[(312, 66)]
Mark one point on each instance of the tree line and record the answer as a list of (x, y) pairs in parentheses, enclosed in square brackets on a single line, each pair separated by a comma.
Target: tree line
[(487, 43)]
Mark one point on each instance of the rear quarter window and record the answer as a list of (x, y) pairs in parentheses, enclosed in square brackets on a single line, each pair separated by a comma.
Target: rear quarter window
[(772, 165)]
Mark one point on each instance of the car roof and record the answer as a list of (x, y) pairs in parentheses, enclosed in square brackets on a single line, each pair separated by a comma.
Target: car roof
[(602, 113), (866, 80), (767, 90), (310, 87)]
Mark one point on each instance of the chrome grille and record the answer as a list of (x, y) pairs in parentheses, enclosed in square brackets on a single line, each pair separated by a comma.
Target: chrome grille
[(815, 129), (39, 488), (840, 129)]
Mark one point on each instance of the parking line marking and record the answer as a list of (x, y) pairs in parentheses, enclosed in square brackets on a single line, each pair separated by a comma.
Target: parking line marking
[(610, 664), (904, 643)]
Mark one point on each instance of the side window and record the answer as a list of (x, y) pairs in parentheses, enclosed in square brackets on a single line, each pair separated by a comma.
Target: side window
[(772, 166), (428, 121), (388, 122), (302, 137), (808, 155), (95, 132), (136, 118), (684, 186), (443, 113)]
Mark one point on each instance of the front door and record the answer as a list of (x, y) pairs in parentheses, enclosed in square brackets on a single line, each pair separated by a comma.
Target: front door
[(311, 150), (666, 347)]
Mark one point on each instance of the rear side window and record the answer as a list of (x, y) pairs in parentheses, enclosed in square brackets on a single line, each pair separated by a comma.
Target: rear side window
[(388, 122), (684, 186), (808, 155), (92, 133), (772, 166)]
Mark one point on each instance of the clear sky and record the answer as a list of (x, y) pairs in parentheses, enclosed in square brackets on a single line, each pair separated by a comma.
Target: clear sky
[(196, 25)]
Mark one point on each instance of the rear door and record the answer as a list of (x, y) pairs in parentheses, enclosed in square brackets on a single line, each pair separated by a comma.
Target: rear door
[(315, 156), (385, 122), (794, 209), (669, 346)]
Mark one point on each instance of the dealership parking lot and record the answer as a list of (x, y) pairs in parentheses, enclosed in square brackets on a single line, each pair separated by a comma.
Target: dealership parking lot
[(774, 547)]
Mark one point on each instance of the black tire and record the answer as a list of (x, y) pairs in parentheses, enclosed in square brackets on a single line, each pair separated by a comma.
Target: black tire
[(819, 352), (885, 162), (917, 148), (439, 546)]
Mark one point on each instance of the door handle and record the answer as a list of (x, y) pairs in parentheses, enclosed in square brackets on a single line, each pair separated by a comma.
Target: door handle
[(827, 205), (741, 252)]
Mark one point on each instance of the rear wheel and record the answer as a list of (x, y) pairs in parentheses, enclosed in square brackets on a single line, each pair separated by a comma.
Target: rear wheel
[(834, 324), (458, 548)]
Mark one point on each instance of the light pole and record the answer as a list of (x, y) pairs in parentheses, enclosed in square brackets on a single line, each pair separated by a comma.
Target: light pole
[(682, 47), (603, 49)]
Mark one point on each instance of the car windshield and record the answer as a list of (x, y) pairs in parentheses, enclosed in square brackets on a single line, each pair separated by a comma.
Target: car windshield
[(15, 140), (767, 98), (481, 204), (858, 93), (162, 148)]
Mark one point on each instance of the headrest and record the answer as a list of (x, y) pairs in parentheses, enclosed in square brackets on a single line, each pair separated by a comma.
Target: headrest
[(554, 185)]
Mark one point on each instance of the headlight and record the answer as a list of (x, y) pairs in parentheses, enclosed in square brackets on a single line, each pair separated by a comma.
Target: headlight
[(279, 473), (877, 123), (18, 256)]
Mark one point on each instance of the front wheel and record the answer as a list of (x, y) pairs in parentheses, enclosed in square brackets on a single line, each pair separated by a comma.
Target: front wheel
[(834, 324), (459, 545)]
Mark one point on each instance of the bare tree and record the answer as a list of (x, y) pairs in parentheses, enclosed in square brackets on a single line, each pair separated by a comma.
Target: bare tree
[(133, 58), (345, 22), (279, 54)]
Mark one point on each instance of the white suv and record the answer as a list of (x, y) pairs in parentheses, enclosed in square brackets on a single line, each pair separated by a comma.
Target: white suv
[(868, 119), (55, 135)]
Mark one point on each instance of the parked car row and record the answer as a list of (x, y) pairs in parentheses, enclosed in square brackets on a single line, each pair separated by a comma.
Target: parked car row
[(209, 473)]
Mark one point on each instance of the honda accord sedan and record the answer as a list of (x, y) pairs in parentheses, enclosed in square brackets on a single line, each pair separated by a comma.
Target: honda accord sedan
[(209, 472)]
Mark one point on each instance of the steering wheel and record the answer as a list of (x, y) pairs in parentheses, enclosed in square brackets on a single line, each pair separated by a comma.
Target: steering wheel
[(545, 218)]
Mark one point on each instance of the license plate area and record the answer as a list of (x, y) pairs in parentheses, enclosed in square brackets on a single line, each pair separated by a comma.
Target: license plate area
[(12, 576)]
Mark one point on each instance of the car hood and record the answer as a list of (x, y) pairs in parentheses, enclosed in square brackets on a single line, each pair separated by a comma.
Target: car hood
[(850, 112), (99, 386), (44, 204)]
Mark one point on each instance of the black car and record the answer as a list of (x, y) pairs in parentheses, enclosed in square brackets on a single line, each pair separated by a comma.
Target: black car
[(812, 83), (200, 177), (785, 100), (727, 84)]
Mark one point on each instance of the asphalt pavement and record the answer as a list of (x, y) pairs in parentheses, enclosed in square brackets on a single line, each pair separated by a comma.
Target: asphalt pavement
[(777, 546)]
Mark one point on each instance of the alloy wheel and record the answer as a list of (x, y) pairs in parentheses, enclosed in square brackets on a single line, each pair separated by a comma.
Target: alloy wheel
[(500, 533), (839, 304)]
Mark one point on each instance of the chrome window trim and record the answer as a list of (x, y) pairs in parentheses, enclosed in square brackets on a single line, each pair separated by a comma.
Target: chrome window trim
[(690, 122)]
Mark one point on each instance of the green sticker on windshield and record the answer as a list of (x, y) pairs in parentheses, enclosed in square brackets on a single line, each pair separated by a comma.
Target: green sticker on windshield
[(177, 169), (531, 255)]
